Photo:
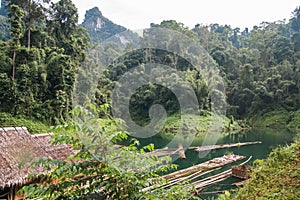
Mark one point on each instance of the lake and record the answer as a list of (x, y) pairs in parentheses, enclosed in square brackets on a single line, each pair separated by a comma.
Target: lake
[(270, 138)]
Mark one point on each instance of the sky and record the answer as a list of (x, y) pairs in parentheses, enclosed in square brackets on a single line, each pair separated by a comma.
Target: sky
[(138, 14)]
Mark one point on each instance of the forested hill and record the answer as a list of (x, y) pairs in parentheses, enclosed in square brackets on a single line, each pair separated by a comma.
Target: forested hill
[(261, 67), (4, 28), (45, 53), (99, 27), (43, 47)]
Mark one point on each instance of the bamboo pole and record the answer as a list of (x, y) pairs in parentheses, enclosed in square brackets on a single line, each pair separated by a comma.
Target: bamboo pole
[(199, 170), (216, 178), (223, 146), (190, 177), (180, 150), (167, 152), (214, 163)]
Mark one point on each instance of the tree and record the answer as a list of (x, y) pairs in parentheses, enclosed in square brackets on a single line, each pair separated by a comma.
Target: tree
[(4, 29), (63, 27), (62, 23), (15, 18), (61, 72), (34, 13), (173, 25), (38, 90), (7, 97), (295, 20)]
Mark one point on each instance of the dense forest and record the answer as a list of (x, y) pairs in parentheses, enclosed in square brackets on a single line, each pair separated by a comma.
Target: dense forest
[(40, 60), (42, 51), (46, 56)]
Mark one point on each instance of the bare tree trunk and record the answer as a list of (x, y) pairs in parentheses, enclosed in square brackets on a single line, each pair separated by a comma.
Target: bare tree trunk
[(13, 65), (28, 39), (29, 26)]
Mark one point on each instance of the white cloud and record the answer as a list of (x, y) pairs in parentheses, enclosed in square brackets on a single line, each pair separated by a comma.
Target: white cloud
[(135, 14)]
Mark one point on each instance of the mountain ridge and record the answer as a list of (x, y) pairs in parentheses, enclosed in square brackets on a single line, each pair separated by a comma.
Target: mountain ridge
[(99, 27)]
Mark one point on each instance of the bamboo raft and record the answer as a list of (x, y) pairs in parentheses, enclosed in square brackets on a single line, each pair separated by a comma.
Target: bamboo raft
[(199, 170), (211, 164), (192, 174), (181, 151), (168, 152), (223, 146), (216, 178)]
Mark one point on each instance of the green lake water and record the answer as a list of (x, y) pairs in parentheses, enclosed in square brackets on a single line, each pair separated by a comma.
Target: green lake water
[(270, 138)]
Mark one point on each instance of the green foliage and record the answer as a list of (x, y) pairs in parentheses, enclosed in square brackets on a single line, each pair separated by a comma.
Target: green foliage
[(150, 94), (294, 121), (295, 20), (35, 13), (41, 51), (276, 119), (197, 124), (4, 28), (260, 66), (7, 98), (99, 170), (172, 24), (16, 15), (38, 66), (33, 126), (225, 196), (276, 178)]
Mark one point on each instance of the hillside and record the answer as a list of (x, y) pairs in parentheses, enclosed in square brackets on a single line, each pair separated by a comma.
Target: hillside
[(276, 178)]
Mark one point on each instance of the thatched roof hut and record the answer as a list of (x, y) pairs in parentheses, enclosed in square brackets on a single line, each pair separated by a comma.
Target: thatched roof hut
[(19, 149)]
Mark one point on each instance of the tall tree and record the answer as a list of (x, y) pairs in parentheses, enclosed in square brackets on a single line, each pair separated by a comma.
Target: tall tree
[(295, 20), (34, 12), (63, 26), (63, 21), (16, 20)]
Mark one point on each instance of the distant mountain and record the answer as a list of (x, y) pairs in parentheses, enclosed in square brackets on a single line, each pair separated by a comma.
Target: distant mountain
[(3, 6), (4, 28), (99, 27)]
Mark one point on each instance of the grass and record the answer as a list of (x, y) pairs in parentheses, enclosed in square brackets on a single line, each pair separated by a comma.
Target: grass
[(274, 119), (197, 124), (294, 123), (33, 126), (278, 177), (279, 118)]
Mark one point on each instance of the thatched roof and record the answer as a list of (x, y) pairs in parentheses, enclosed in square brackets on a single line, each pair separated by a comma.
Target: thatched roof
[(19, 149)]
